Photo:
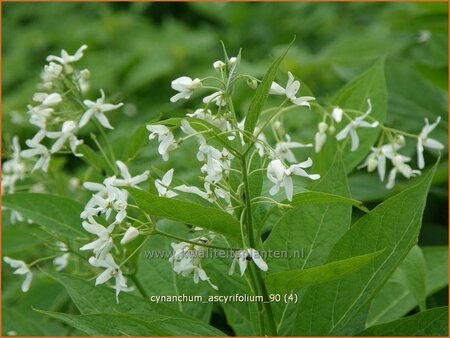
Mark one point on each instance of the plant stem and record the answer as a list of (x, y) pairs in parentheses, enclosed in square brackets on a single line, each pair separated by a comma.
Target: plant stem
[(138, 286), (255, 275)]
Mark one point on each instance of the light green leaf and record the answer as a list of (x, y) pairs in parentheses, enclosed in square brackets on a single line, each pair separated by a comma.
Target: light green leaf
[(91, 157), (135, 143), (433, 322), (95, 300), (262, 92), (393, 225), (189, 213), (57, 213), (291, 280)]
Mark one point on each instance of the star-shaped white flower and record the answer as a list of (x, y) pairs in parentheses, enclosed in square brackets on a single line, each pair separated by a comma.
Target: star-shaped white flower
[(128, 180), (243, 256), (98, 109), (66, 59), (21, 269), (162, 185), (111, 270), (165, 138), (281, 176), (424, 141), (292, 87), (355, 124), (284, 152), (185, 86), (67, 132), (217, 97), (37, 149)]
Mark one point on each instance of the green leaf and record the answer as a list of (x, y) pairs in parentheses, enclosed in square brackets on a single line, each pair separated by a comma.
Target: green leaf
[(354, 95), (189, 213), (91, 157), (155, 270), (311, 228), (393, 225), (433, 322), (436, 261), (93, 301), (395, 299), (287, 281), (262, 92), (404, 290), (54, 212), (135, 143)]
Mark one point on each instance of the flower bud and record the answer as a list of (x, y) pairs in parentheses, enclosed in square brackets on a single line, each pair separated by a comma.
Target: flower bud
[(400, 140), (320, 139), (52, 100), (39, 97), (372, 164), (130, 235), (277, 125), (232, 61), (337, 114), (85, 74), (252, 83), (331, 130), (323, 127), (218, 65)]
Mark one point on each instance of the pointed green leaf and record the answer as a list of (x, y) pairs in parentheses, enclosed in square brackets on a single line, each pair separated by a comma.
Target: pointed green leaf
[(393, 225), (433, 322), (189, 213), (262, 92), (287, 281), (57, 213)]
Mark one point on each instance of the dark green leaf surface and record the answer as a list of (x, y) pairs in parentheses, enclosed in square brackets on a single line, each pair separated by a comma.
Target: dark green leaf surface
[(55, 212), (333, 306), (282, 282), (189, 213), (433, 322)]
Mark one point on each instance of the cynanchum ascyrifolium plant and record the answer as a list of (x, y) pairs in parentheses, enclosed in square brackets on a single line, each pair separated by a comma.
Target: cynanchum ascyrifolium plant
[(231, 149)]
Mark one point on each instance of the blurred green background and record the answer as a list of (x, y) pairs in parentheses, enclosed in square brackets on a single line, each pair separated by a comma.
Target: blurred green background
[(136, 49)]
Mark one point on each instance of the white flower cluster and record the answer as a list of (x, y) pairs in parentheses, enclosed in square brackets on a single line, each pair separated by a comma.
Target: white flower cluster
[(54, 113), (108, 205), (217, 162), (377, 157), (186, 259)]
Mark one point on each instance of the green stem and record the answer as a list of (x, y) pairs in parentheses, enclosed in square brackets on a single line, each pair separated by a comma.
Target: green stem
[(138, 285), (255, 275)]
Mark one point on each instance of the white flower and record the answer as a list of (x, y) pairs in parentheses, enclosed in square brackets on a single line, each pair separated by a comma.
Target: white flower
[(103, 244), (97, 109), (112, 270), (67, 133), (127, 179), (320, 136), (129, 235), (217, 97), (424, 141), (51, 72), (14, 169), (165, 138), (66, 59), (282, 177), (219, 65), (186, 260), (48, 100), (400, 166), (353, 125), (243, 257), (210, 194), (216, 120), (61, 261), (185, 86), (337, 114), (163, 184), (284, 152), (292, 87), (37, 149), (21, 269)]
